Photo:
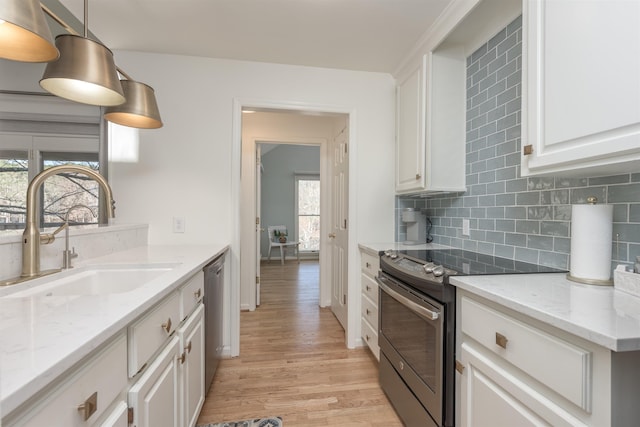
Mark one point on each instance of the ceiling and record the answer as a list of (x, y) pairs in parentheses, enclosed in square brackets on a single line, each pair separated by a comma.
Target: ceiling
[(363, 35)]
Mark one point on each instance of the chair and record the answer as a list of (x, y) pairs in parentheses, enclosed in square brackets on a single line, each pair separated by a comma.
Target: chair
[(275, 231)]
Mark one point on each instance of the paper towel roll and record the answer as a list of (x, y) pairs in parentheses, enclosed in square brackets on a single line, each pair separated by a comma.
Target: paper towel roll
[(591, 234)]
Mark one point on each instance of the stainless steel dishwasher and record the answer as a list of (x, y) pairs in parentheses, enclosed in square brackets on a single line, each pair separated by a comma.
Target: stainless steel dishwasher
[(213, 306)]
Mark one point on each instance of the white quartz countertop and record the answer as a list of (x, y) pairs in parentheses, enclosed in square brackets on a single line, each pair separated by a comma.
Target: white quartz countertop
[(43, 336), (601, 314)]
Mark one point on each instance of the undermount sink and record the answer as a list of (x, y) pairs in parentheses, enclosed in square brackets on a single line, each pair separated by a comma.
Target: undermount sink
[(97, 280)]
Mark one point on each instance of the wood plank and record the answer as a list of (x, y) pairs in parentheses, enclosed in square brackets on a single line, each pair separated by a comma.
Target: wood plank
[(294, 364)]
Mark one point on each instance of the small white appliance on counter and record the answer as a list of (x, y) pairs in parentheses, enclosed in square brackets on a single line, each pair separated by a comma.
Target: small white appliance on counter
[(416, 224)]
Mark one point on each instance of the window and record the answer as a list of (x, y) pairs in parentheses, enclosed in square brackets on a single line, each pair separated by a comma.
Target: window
[(63, 191), (26, 157), (14, 179), (308, 212)]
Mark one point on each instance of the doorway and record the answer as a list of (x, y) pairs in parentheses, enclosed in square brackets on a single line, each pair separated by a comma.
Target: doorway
[(285, 126), (287, 195)]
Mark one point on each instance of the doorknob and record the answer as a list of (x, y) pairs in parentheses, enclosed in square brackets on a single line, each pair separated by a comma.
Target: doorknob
[(332, 235)]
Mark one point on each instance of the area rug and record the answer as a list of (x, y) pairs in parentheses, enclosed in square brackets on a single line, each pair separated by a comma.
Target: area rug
[(258, 422)]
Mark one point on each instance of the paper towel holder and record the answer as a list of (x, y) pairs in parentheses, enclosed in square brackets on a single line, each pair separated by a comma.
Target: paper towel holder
[(591, 200)]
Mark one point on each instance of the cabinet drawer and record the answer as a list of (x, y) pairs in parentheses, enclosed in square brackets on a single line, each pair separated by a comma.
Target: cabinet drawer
[(569, 369), (369, 311), (369, 288), (191, 293), (118, 417), (370, 337), (148, 334), (369, 263), (96, 385)]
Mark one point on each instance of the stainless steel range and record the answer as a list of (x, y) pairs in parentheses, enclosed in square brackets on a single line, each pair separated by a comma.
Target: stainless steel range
[(417, 327)]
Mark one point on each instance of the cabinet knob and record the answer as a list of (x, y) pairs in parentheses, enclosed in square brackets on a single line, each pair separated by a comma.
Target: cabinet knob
[(368, 312), (167, 325), (501, 340), (332, 235), (182, 357), (197, 293), (368, 265), (527, 149), (368, 287), (189, 347), (367, 337), (89, 406), (459, 367), (418, 176)]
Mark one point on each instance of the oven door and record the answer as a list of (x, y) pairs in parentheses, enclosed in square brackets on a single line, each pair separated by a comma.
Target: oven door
[(411, 337)]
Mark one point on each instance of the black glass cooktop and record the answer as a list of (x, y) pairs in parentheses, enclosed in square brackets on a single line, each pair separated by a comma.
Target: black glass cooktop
[(473, 263)]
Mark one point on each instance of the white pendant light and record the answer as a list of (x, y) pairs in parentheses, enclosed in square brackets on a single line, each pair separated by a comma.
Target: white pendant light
[(24, 33), (85, 71), (139, 111)]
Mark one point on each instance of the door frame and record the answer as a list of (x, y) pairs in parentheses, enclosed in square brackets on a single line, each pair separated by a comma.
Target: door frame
[(248, 201), (233, 301)]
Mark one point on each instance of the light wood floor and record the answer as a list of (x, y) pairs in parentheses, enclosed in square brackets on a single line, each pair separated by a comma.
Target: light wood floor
[(294, 364)]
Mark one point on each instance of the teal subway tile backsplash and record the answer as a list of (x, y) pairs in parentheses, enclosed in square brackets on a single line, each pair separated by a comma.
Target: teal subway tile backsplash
[(527, 219)]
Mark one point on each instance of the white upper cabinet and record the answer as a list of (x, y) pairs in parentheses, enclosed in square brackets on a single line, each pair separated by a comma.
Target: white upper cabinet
[(430, 140), (410, 141), (581, 87)]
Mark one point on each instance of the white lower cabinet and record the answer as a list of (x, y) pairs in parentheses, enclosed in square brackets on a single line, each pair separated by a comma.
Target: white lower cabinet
[(151, 374), (517, 371), (191, 336), (370, 264), (85, 394), (154, 397)]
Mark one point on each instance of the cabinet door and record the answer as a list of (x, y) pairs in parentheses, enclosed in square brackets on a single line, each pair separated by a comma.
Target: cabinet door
[(581, 90), (493, 394), (410, 138), (192, 367), (154, 398), (118, 417)]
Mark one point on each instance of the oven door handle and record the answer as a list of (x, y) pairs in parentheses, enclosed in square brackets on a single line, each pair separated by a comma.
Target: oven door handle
[(423, 311)]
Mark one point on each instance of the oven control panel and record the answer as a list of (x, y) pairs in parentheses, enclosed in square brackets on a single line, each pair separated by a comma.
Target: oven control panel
[(418, 268)]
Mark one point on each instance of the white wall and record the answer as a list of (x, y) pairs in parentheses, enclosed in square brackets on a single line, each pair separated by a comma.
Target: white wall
[(187, 167)]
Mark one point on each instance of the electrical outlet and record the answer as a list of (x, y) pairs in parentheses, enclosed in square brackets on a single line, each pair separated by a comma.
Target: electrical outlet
[(178, 224), (465, 227)]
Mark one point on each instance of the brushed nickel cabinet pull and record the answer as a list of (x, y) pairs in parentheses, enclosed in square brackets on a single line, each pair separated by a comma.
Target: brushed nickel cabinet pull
[(167, 325), (368, 312), (528, 149), (459, 367), (367, 337), (197, 293), (189, 347), (89, 406), (501, 340), (418, 176), (182, 357), (368, 287), (368, 265)]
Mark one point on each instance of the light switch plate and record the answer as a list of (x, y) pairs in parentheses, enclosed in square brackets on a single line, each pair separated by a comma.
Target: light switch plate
[(178, 224)]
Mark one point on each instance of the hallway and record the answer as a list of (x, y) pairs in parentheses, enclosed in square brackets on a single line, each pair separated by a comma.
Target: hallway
[(293, 362)]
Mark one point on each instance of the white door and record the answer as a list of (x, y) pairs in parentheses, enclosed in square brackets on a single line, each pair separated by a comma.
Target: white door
[(259, 229), (338, 233)]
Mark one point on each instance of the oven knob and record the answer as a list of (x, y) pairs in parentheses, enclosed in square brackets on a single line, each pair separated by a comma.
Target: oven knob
[(428, 268), (438, 270), (401, 366)]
